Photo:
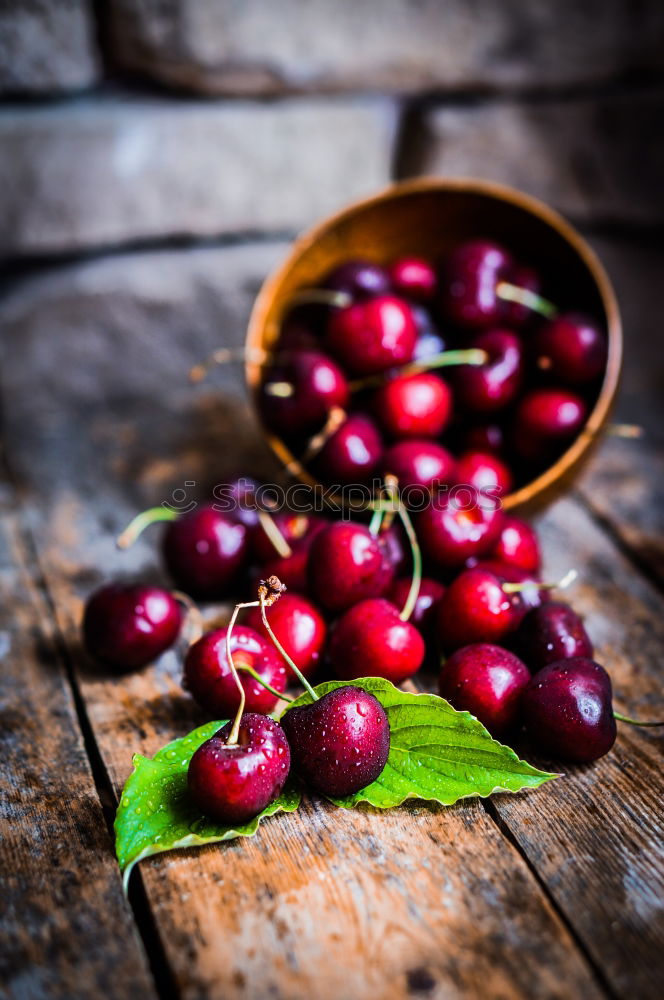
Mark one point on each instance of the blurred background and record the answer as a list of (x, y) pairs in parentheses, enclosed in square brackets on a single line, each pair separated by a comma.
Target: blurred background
[(156, 156)]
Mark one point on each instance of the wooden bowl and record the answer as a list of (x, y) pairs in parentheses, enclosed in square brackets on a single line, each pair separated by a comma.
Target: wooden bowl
[(428, 217)]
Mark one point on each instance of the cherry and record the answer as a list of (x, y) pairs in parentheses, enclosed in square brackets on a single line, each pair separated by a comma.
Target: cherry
[(299, 531), (515, 314), (486, 681), (207, 674), (473, 271), (297, 335), (424, 612), (429, 343), (294, 530), (529, 592), (570, 348), (299, 627), (552, 632), (517, 545), (567, 710), (370, 337), (451, 532), (474, 608), (206, 551), (347, 564), (340, 743), (485, 437), (297, 395), (491, 386), (413, 406), (419, 463), (242, 493), (231, 783), (371, 640), (546, 420), (126, 626), (485, 473), (360, 279), (414, 278), (394, 548), (352, 453)]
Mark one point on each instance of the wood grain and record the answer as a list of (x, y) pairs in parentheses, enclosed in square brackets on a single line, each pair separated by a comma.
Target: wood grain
[(65, 926)]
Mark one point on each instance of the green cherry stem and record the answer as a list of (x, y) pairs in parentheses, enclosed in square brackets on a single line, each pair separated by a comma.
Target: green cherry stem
[(296, 670), (270, 528), (635, 722), (376, 521), (516, 588), (142, 521), (513, 293), (467, 356), (245, 668), (392, 487), (232, 738)]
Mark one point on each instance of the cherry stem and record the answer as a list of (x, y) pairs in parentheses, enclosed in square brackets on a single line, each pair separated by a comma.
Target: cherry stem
[(467, 356), (335, 418), (392, 489), (516, 588), (193, 616), (376, 520), (224, 356), (143, 521), (257, 677), (296, 670), (635, 722), (232, 738), (525, 297), (270, 528), (320, 296)]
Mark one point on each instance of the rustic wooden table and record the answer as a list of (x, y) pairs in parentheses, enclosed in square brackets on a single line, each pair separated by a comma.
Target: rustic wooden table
[(557, 893)]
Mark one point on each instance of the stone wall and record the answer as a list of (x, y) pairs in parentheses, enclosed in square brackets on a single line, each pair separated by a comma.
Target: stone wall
[(155, 155)]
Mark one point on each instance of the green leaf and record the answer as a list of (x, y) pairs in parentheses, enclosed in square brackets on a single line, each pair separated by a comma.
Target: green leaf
[(156, 814), (436, 753)]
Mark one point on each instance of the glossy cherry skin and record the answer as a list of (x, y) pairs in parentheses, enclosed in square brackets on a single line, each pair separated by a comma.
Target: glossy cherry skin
[(240, 495), (126, 626), (488, 682), (473, 272), (423, 616), (474, 608), (485, 472), (420, 463), (414, 278), (371, 640), (318, 384), (347, 564), (370, 337), (550, 633), (352, 453), (299, 627), (207, 675), (523, 600), (546, 421), (205, 552), (233, 784), (361, 279), (567, 710), (571, 349), (413, 406), (490, 387), (517, 545), (340, 743), (450, 531), (429, 343)]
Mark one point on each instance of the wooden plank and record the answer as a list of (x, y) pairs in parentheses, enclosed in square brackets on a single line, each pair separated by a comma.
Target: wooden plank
[(66, 928), (600, 848)]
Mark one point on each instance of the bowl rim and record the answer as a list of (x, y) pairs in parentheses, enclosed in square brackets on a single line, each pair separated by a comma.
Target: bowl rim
[(543, 483)]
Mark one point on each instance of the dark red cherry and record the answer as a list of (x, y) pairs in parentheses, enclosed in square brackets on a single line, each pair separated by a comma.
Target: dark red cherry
[(419, 463), (370, 337), (452, 529), (240, 496), (423, 616), (206, 552), (546, 421), (530, 590), (413, 406), (208, 676), (299, 531), (469, 294), (395, 548), (484, 437), (486, 681), (474, 608), (517, 545), (297, 335), (414, 278), (361, 279), (552, 632), (485, 473), (567, 710), (347, 564), (371, 640), (491, 386), (340, 743), (296, 529), (126, 626), (515, 314), (232, 784), (570, 348), (352, 454), (297, 395), (299, 627)]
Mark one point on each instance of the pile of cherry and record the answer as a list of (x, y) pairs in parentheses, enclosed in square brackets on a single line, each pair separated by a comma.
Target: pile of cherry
[(357, 367), (355, 606)]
